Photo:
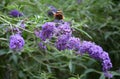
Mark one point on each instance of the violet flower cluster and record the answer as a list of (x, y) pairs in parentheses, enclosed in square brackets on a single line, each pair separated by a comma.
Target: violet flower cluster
[(15, 13), (47, 30), (16, 42)]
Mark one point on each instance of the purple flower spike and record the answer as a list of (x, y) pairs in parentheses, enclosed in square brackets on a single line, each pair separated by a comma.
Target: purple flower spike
[(47, 30), (16, 42), (97, 52), (15, 13)]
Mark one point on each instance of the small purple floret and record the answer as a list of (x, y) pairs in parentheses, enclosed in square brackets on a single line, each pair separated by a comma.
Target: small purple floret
[(41, 45), (16, 30), (61, 43), (107, 74), (22, 24), (73, 43), (15, 13), (37, 32), (64, 29)]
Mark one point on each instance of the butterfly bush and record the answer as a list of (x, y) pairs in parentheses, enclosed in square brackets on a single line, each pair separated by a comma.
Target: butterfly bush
[(15, 13), (16, 42), (64, 39)]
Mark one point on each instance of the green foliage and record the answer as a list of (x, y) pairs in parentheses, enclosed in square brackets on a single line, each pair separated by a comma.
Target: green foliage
[(96, 20)]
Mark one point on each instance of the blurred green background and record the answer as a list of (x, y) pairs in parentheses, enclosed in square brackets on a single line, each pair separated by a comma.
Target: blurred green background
[(94, 20)]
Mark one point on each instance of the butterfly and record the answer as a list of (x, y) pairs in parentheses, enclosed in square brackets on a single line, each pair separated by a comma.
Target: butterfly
[(58, 15)]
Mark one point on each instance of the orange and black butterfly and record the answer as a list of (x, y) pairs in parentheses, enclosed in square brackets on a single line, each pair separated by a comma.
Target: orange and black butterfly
[(56, 13)]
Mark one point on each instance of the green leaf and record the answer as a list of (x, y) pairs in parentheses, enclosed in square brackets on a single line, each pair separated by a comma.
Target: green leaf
[(3, 51), (72, 78), (70, 66), (14, 58), (21, 74), (102, 76), (82, 31), (49, 69), (115, 73)]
